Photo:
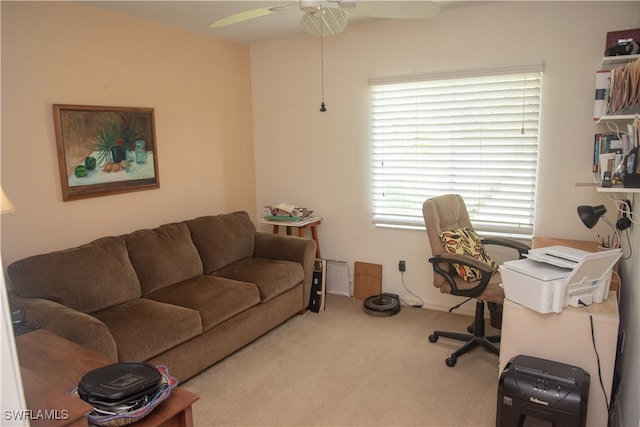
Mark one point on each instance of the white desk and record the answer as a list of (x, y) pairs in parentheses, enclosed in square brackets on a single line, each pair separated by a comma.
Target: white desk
[(566, 337)]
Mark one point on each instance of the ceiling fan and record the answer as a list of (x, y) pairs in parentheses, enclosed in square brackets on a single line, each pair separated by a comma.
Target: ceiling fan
[(321, 18)]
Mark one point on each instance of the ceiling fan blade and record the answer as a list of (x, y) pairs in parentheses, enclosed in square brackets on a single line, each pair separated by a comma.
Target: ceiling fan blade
[(248, 15), (392, 9), (325, 22)]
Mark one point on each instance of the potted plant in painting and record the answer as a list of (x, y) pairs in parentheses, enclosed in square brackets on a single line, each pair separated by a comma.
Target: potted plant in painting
[(104, 138), (113, 138)]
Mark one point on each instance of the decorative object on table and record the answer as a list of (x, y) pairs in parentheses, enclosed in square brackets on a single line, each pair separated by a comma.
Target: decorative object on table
[(105, 150), (123, 393), (285, 212)]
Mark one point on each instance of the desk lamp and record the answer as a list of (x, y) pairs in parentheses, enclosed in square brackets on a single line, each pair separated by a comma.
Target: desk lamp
[(591, 214)]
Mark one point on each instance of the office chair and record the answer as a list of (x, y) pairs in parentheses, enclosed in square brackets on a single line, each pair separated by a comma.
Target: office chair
[(447, 222)]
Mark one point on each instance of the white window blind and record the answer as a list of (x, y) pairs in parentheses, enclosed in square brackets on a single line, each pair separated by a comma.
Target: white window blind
[(474, 133)]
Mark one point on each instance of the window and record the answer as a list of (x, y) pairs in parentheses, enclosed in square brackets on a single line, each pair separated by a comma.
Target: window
[(474, 133)]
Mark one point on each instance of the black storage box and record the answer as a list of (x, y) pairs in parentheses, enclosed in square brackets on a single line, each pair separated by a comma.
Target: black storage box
[(543, 389)]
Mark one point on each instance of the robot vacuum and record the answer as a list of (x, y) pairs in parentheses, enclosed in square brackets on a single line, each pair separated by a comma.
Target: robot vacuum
[(382, 305)]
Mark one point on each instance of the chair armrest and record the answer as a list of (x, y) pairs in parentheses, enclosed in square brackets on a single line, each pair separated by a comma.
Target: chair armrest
[(75, 326), (449, 258), (522, 248), (288, 248), (464, 260)]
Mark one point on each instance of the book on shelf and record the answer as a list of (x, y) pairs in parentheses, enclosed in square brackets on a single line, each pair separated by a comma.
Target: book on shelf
[(632, 135), (596, 152), (608, 152), (318, 286)]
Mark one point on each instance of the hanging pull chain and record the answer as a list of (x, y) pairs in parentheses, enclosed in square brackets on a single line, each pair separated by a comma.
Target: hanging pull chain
[(323, 108)]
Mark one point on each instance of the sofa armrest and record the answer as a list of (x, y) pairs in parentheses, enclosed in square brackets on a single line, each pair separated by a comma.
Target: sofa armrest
[(75, 326), (288, 248)]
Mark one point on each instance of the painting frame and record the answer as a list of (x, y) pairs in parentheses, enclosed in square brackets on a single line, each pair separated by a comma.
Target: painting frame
[(105, 150)]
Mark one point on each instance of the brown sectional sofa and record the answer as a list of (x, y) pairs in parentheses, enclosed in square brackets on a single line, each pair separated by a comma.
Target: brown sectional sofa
[(185, 294)]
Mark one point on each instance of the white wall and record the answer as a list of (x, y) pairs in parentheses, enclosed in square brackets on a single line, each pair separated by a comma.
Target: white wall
[(321, 160)]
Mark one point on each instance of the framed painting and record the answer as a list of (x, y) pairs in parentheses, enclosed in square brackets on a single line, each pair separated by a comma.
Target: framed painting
[(105, 150)]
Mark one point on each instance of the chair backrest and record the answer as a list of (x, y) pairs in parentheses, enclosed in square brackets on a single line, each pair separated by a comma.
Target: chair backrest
[(440, 214)]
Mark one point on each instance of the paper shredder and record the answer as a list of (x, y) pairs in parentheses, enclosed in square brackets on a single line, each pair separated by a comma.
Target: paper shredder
[(551, 391)]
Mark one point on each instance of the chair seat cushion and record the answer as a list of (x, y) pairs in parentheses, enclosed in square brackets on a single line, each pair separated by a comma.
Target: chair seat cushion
[(143, 328), (216, 298), (465, 241)]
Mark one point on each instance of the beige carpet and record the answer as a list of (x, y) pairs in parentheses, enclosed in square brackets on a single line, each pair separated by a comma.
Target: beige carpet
[(343, 367)]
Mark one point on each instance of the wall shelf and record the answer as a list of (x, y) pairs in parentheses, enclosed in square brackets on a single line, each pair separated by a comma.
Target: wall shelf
[(611, 62), (620, 117), (617, 189), (620, 59)]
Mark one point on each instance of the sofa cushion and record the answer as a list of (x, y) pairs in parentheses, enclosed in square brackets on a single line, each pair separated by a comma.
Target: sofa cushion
[(163, 256), (216, 298), (272, 277), (222, 239), (143, 328), (86, 278)]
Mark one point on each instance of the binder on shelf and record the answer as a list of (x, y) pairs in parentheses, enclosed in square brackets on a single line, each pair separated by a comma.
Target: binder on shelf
[(318, 286), (603, 79)]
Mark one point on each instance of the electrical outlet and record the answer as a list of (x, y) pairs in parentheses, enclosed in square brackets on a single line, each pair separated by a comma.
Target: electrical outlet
[(402, 266)]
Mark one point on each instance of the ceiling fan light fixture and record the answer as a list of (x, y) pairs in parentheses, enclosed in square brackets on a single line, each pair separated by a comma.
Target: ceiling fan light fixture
[(309, 5), (325, 22)]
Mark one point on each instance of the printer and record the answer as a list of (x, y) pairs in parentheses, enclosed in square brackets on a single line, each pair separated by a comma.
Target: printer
[(553, 277)]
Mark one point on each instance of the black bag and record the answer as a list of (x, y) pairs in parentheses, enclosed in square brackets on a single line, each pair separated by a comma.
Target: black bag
[(121, 386)]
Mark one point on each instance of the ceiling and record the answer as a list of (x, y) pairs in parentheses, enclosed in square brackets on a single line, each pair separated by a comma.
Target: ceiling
[(196, 16)]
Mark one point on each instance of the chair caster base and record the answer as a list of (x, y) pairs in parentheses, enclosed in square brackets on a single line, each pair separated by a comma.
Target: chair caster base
[(433, 338), (451, 361)]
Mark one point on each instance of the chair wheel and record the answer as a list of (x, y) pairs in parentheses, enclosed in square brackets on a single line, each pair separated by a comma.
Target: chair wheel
[(433, 338), (451, 361), (470, 329)]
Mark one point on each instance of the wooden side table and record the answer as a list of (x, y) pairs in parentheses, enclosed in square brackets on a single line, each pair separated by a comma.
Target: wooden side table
[(301, 225), (51, 368)]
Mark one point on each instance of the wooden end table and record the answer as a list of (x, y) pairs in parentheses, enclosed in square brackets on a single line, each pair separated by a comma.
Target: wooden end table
[(51, 368), (310, 223)]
